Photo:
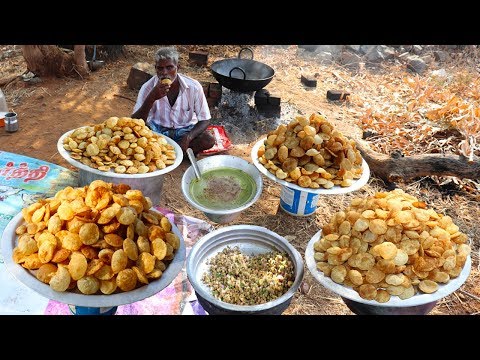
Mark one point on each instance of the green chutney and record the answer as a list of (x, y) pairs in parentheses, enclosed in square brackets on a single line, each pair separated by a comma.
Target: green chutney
[(223, 188)]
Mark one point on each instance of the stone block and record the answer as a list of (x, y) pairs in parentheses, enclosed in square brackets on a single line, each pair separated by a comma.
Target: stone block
[(274, 101), (139, 74), (205, 86), (337, 95), (263, 97), (215, 90), (199, 58), (269, 110), (212, 102), (309, 80)]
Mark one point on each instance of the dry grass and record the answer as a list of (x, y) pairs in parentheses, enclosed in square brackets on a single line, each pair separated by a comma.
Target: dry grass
[(383, 88)]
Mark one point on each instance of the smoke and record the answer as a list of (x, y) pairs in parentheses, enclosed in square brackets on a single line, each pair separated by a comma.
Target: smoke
[(241, 119)]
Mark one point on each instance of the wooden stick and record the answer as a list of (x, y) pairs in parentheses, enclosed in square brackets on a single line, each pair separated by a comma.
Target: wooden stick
[(339, 77), (174, 208), (327, 298), (461, 301), (471, 295), (74, 68), (124, 97)]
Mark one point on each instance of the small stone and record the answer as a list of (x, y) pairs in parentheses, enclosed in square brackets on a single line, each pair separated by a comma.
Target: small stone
[(305, 288), (199, 58), (309, 80), (337, 95)]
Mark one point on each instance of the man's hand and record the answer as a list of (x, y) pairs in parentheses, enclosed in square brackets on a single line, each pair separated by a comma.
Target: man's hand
[(160, 90), (185, 142)]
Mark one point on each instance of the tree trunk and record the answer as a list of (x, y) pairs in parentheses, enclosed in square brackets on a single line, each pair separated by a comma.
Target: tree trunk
[(80, 61), (50, 60), (391, 169)]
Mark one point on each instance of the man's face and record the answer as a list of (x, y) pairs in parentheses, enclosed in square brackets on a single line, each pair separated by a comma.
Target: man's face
[(166, 69)]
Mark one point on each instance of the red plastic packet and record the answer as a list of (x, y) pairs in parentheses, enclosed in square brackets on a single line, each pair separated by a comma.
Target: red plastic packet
[(222, 142)]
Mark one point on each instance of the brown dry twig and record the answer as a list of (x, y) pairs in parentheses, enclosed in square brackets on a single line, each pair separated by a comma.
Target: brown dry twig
[(471, 295), (124, 97)]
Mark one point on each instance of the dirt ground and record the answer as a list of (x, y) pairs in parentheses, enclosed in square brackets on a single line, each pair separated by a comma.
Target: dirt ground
[(49, 108)]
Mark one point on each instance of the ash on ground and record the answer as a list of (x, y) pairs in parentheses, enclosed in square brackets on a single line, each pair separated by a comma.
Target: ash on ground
[(236, 111)]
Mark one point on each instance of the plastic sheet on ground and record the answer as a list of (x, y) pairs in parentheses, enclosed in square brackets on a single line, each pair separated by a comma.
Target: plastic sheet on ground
[(222, 142)]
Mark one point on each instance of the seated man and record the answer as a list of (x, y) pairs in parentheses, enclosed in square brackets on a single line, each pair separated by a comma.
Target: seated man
[(174, 104)]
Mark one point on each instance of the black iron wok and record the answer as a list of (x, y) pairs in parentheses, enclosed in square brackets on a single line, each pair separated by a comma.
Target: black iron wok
[(243, 75)]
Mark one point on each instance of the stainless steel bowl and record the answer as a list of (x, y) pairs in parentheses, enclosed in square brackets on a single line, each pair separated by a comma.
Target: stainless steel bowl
[(28, 277), (250, 239), (419, 304), (150, 184), (365, 309), (213, 162)]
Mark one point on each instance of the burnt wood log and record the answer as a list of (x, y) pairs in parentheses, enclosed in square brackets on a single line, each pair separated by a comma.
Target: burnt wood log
[(391, 169)]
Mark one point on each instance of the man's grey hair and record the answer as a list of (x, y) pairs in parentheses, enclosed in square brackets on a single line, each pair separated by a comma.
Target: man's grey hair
[(165, 53)]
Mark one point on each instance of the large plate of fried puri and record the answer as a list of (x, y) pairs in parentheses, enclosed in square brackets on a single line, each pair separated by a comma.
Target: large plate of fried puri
[(390, 249), (310, 154), (95, 246)]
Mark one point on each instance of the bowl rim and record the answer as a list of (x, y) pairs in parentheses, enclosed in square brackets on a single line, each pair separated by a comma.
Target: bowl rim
[(66, 155), (357, 184), (27, 278), (395, 301), (258, 193), (297, 259)]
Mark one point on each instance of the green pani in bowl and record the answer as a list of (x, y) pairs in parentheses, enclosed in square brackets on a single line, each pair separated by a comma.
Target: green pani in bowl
[(223, 188), (227, 186)]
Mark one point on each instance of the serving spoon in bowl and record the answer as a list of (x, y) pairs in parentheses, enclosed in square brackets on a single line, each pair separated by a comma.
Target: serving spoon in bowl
[(193, 161)]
